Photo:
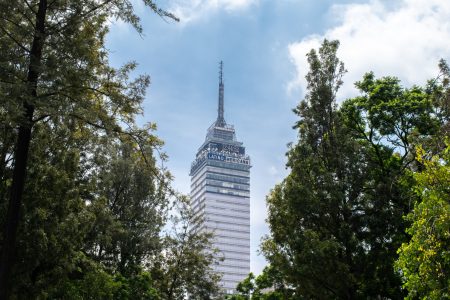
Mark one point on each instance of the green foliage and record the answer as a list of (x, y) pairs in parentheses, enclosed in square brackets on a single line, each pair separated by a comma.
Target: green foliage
[(130, 208), (267, 286), (247, 286), (184, 268), (98, 284), (337, 221), (389, 120), (94, 284), (425, 260), (98, 213), (388, 115), (140, 286)]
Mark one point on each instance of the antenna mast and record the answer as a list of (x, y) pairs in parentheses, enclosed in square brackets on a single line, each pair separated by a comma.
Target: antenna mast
[(220, 118)]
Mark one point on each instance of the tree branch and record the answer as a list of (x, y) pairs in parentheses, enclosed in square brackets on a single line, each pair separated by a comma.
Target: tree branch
[(14, 40), (30, 7)]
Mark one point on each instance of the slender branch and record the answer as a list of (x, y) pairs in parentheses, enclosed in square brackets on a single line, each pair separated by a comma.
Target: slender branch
[(119, 191), (30, 7), (61, 91), (12, 22), (369, 139), (8, 82), (30, 21), (14, 40), (51, 4), (11, 72), (81, 15)]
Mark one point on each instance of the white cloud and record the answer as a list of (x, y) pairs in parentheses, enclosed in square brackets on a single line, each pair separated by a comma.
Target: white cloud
[(406, 41), (191, 10)]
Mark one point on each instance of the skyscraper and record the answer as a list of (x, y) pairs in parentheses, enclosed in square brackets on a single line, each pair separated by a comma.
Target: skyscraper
[(220, 193)]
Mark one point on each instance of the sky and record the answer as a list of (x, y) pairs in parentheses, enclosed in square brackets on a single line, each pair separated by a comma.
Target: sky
[(263, 44)]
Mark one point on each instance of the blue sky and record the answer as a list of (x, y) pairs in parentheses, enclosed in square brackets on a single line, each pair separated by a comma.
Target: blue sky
[(263, 45)]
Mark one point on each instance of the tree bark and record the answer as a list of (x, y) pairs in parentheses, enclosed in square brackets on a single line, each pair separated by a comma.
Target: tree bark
[(21, 154)]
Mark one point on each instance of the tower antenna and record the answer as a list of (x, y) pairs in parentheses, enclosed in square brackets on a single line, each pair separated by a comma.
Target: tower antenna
[(220, 118), (221, 72)]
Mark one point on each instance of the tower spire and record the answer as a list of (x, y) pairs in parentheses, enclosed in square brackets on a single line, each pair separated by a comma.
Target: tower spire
[(220, 119)]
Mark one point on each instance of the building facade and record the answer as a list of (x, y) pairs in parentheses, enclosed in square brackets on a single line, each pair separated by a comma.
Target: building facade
[(220, 194)]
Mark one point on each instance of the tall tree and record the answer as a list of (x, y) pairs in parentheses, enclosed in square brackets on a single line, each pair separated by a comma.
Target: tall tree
[(389, 120), (337, 220), (94, 203), (312, 214), (54, 67)]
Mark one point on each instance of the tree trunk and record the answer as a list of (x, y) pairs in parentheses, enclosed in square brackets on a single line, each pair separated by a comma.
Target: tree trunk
[(21, 154)]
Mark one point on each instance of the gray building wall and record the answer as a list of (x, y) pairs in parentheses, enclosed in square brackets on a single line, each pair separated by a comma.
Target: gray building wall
[(220, 194)]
